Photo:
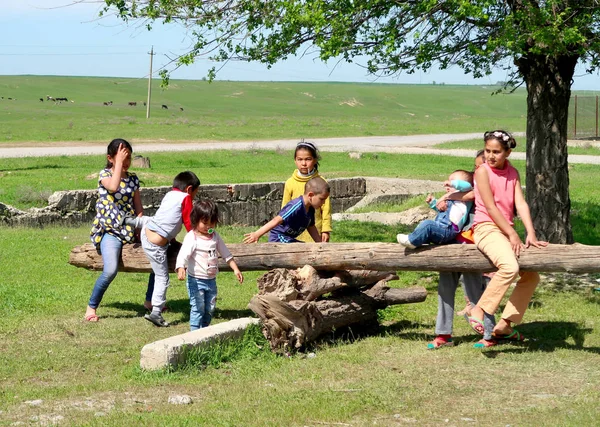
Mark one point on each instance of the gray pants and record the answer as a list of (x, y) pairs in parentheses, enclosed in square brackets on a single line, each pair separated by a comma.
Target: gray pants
[(474, 286), (157, 255)]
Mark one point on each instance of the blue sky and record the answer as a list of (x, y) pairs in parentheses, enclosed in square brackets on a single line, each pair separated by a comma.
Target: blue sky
[(41, 37)]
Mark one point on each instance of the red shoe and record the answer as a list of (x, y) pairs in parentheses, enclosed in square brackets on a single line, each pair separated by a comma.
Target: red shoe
[(440, 341)]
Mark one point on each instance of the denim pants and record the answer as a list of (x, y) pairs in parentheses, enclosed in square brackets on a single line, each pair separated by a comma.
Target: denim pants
[(110, 249), (430, 231), (203, 299)]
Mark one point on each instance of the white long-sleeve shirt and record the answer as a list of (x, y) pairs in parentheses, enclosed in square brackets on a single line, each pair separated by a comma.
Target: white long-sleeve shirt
[(200, 255)]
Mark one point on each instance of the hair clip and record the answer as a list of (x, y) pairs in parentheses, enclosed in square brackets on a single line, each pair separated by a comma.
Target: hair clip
[(499, 134)]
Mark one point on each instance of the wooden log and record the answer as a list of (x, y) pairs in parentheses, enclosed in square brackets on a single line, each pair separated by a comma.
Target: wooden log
[(576, 258), (293, 324), (308, 284)]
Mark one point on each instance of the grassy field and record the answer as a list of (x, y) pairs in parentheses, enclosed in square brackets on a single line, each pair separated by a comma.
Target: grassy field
[(56, 368), (225, 110)]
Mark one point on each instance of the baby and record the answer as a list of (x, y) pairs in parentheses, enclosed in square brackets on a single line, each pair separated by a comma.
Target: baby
[(447, 224)]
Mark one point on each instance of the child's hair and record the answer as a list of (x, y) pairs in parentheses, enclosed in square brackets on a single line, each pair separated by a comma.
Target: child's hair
[(480, 153), (505, 138), (204, 210), (464, 175), (185, 179), (113, 148), (317, 185), (311, 148)]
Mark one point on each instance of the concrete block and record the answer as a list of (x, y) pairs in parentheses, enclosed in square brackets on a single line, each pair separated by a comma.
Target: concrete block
[(172, 351)]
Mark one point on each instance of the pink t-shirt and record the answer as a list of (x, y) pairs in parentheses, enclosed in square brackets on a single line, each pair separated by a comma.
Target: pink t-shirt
[(503, 183)]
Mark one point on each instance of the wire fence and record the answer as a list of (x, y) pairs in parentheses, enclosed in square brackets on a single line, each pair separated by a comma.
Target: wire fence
[(583, 117)]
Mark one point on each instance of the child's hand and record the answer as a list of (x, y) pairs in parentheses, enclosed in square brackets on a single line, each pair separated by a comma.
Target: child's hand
[(181, 273), (251, 238), (122, 154), (442, 204), (325, 237), (239, 276), (515, 243), (429, 198), (533, 241)]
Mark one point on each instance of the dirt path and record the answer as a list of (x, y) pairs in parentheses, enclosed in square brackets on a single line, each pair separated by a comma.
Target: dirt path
[(411, 144)]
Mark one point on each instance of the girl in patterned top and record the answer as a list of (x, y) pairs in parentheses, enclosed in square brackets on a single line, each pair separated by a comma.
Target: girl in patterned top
[(118, 199)]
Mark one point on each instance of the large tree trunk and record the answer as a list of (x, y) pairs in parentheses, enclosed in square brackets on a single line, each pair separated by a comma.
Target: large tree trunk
[(574, 258), (293, 311), (547, 183)]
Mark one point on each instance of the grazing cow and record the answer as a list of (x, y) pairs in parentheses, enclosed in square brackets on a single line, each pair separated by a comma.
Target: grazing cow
[(61, 99), (164, 107), (41, 99), (132, 104), (180, 108)]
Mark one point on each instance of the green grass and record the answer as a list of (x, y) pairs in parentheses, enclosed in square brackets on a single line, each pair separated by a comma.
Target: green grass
[(225, 110), (88, 373)]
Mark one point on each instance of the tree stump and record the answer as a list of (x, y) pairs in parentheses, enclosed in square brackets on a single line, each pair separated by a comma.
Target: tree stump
[(294, 311)]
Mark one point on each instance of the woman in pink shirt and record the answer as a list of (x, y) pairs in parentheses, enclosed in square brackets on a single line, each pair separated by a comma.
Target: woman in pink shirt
[(497, 194)]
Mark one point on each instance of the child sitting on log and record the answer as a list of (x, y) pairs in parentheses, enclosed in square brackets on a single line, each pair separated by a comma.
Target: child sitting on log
[(296, 216), (448, 224)]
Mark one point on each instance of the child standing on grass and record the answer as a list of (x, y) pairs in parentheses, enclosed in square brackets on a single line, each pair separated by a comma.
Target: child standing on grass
[(160, 230), (118, 198), (199, 257), (306, 157), (497, 194), (296, 216)]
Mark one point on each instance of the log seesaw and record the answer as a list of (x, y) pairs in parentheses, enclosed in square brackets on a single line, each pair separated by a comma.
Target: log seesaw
[(353, 276)]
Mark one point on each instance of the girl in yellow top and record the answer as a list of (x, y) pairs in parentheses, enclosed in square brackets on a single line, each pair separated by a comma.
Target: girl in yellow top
[(307, 159)]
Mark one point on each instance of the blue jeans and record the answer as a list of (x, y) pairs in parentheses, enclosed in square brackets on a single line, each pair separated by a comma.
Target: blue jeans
[(203, 299), (110, 249), (430, 231)]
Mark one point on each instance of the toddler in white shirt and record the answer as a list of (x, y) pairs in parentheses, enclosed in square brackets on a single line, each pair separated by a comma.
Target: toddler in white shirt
[(199, 256)]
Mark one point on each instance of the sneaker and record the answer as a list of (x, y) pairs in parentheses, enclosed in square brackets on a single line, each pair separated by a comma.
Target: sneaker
[(157, 319), (403, 240)]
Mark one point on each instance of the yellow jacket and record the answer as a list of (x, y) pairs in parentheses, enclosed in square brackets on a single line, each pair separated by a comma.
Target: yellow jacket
[(294, 187)]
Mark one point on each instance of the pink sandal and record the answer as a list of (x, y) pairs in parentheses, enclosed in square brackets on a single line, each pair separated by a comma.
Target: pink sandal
[(440, 341), (92, 318)]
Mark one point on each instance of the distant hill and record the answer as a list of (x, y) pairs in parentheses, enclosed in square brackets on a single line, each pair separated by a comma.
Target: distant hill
[(99, 109)]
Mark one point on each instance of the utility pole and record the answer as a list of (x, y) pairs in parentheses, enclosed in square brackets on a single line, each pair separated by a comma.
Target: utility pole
[(149, 84)]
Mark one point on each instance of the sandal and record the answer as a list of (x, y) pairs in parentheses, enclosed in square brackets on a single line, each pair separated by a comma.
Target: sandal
[(513, 336), (92, 318), (475, 324), (483, 343), (440, 341)]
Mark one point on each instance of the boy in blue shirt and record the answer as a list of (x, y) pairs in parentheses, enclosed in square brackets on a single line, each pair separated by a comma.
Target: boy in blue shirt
[(296, 216)]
